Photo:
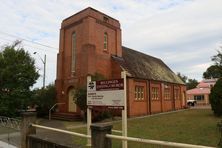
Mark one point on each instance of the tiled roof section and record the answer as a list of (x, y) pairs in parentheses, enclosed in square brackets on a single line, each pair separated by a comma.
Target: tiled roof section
[(198, 91), (203, 85), (207, 83), (140, 65)]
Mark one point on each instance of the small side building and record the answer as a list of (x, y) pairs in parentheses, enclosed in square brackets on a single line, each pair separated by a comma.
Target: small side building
[(90, 43), (201, 92)]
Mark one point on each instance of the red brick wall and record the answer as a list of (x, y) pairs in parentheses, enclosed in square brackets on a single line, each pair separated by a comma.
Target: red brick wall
[(178, 102), (167, 103), (116, 70), (156, 105), (184, 100), (137, 107)]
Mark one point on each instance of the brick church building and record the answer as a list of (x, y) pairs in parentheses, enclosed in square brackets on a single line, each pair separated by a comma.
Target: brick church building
[(90, 42)]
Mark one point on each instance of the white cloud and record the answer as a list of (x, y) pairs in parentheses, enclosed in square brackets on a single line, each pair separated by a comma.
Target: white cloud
[(182, 33)]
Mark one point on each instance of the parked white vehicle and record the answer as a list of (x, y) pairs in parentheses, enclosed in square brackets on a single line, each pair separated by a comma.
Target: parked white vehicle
[(191, 102)]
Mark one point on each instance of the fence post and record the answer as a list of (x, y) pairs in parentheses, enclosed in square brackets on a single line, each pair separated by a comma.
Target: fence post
[(99, 132), (27, 119), (219, 125)]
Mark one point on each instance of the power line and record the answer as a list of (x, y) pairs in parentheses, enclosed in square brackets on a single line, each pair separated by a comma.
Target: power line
[(28, 45), (15, 36)]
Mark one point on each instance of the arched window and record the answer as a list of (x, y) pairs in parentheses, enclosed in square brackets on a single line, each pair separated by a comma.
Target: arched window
[(105, 47), (73, 63)]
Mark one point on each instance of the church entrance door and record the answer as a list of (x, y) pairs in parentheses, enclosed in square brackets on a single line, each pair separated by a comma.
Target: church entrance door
[(71, 104)]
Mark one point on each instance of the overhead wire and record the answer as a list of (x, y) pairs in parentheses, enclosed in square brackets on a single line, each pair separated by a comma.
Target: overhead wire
[(27, 45), (37, 43)]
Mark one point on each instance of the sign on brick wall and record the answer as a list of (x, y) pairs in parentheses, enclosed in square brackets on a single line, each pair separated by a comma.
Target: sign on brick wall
[(106, 93)]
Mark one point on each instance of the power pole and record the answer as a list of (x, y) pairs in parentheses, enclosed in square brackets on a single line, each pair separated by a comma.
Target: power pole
[(44, 71)]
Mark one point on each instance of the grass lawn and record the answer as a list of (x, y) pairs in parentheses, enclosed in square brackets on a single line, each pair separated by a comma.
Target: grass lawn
[(190, 126)]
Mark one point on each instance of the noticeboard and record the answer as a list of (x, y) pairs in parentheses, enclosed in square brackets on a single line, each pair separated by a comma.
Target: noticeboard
[(106, 93)]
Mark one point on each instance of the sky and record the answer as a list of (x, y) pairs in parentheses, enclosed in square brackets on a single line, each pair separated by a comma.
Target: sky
[(185, 34)]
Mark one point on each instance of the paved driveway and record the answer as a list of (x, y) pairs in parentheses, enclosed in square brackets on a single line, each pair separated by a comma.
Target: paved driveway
[(201, 107)]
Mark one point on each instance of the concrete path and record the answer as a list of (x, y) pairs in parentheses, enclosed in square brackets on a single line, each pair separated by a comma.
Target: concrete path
[(14, 138), (6, 145), (60, 138), (10, 138)]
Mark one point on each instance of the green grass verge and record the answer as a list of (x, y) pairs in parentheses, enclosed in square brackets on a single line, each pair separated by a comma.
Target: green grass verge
[(190, 126)]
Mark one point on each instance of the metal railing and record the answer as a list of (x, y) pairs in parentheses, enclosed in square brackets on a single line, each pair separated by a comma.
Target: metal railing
[(156, 142), (10, 122), (50, 110)]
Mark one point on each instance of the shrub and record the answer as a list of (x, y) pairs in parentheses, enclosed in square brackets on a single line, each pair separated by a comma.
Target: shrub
[(80, 98), (44, 98), (101, 115), (216, 98)]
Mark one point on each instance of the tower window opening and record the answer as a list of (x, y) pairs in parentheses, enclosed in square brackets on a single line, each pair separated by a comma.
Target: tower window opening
[(105, 41), (73, 64)]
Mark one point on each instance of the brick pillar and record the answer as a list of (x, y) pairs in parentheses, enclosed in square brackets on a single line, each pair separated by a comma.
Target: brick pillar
[(27, 119), (99, 132)]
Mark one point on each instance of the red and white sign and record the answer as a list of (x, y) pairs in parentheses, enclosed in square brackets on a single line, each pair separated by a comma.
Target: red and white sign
[(106, 93)]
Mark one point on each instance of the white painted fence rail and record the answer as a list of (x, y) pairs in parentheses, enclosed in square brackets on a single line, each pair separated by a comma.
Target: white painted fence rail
[(117, 131), (61, 131), (156, 142)]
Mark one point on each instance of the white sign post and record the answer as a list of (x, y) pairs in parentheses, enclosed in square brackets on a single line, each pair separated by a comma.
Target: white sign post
[(89, 118), (124, 112)]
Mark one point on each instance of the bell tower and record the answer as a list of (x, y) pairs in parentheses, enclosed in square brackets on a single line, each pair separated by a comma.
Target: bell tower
[(88, 39)]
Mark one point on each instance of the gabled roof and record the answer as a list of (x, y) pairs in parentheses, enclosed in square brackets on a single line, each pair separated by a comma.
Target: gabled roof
[(207, 83), (198, 91), (140, 65), (203, 85)]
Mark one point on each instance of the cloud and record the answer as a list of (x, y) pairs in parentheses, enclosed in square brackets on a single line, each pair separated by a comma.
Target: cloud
[(183, 33)]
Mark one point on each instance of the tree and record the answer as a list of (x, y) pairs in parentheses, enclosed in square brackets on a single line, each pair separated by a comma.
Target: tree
[(17, 74), (191, 83), (44, 99), (215, 71), (217, 59), (182, 77), (216, 98)]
